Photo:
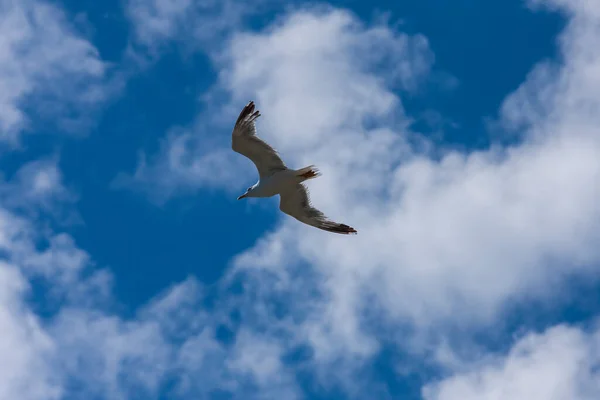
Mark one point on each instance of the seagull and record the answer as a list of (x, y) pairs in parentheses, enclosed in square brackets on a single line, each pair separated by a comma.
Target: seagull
[(276, 178)]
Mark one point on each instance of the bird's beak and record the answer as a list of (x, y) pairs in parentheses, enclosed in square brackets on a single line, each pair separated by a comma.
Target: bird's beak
[(242, 196)]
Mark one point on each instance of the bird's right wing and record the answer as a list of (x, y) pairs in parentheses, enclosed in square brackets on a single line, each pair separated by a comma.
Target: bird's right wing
[(245, 142), (295, 201)]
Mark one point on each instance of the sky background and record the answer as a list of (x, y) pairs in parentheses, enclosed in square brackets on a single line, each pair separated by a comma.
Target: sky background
[(461, 139)]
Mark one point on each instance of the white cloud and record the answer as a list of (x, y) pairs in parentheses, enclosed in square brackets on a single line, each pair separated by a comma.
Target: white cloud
[(83, 347), (38, 187), (42, 357), (560, 364), (279, 62), (446, 239), (183, 166), (27, 349), (191, 23), (156, 20), (25, 346), (46, 67), (441, 243), (260, 357), (107, 356)]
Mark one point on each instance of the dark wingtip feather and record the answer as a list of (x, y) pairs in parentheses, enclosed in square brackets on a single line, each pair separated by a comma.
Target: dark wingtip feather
[(343, 229), (248, 110)]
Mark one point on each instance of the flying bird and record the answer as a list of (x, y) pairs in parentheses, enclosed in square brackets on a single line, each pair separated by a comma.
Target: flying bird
[(276, 178)]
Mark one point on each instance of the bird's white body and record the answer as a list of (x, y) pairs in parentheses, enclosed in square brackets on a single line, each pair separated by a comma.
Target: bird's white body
[(275, 184)]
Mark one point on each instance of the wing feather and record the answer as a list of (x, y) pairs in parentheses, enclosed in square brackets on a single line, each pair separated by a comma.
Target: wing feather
[(245, 141), (296, 202)]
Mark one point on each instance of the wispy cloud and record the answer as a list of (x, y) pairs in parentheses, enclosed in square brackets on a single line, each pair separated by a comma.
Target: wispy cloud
[(191, 24), (455, 239), (183, 165), (321, 63), (48, 73), (82, 347), (447, 240), (38, 187), (556, 364)]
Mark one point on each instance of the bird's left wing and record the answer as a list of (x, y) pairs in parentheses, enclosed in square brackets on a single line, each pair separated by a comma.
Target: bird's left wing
[(295, 201), (245, 141)]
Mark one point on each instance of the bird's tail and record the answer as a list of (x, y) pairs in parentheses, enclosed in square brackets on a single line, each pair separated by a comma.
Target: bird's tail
[(309, 172)]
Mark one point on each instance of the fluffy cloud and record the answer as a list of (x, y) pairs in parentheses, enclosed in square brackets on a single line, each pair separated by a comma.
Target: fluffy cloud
[(446, 238), (45, 66), (74, 344), (327, 85), (158, 23), (560, 364), (37, 262), (38, 187), (25, 347), (183, 165)]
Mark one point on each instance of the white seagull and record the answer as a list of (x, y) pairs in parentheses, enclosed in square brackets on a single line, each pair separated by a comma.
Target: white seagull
[(276, 178)]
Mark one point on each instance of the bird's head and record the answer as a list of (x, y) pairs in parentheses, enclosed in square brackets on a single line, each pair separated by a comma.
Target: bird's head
[(246, 194)]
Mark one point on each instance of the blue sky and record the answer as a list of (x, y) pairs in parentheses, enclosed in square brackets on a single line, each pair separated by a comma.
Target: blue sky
[(459, 138)]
